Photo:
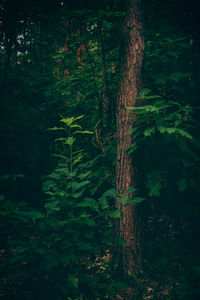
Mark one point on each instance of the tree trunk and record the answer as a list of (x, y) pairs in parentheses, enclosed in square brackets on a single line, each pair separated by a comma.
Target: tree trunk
[(128, 258)]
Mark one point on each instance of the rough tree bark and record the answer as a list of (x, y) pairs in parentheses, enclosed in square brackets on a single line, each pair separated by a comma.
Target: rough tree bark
[(128, 258)]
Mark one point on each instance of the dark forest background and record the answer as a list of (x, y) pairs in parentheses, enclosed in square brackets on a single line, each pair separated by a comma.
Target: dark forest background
[(59, 80)]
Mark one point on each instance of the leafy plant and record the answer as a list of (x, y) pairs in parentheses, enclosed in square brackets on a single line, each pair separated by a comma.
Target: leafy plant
[(69, 237)]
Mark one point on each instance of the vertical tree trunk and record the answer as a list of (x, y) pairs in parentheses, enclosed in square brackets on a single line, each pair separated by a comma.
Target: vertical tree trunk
[(128, 257)]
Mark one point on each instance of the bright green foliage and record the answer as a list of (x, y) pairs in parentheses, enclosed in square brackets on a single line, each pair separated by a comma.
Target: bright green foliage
[(161, 121), (63, 244)]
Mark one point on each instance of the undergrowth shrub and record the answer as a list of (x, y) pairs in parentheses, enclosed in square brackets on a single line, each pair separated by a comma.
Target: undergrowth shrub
[(166, 147), (63, 250)]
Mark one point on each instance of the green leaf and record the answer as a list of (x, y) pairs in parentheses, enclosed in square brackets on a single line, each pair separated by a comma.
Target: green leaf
[(132, 130), (75, 126), (88, 202), (67, 121), (104, 203), (61, 139), (130, 149), (149, 131), (70, 140), (180, 75), (52, 205), (174, 130), (184, 133), (54, 175), (114, 214), (85, 175), (77, 195), (155, 189), (110, 193), (78, 185), (135, 200), (73, 280), (47, 185), (144, 92), (77, 118), (56, 128), (123, 200), (104, 198), (130, 190), (83, 132), (143, 109)]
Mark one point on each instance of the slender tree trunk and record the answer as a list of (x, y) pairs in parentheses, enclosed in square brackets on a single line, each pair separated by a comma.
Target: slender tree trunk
[(128, 258)]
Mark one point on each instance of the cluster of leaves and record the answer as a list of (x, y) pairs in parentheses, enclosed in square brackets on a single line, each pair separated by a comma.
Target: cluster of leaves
[(165, 144), (168, 123), (61, 248)]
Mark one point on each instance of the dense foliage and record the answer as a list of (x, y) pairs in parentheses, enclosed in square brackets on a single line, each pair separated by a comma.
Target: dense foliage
[(59, 76)]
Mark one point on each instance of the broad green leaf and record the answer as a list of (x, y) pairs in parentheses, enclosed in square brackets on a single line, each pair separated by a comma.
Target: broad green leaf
[(104, 203), (135, 200), (132, 130), (85, 215), (131, 190), (70, 140), (143, 109), (60, 156), (73, 280), (75, 126), (77, 118), (180, 75), (83, 132), (78, 185), (78, 159), (184, 133), (123, 200), (77, 195), (174, 130), (104, 198), (52, 205), (114, 214), (144, 92), (130, 149), (149, 131), (47, 185), (54, 175), (88, 202), (155, 190), (67, 121), (85, 175), (110, 193)]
